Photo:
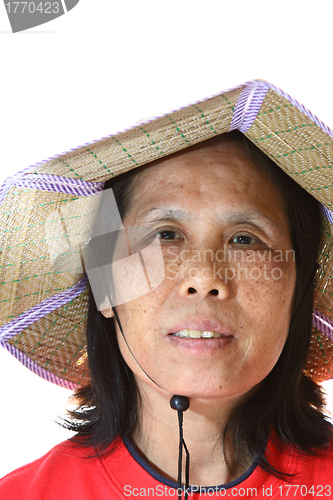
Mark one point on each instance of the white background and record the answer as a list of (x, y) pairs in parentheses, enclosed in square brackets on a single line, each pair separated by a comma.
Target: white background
[(104, 66)]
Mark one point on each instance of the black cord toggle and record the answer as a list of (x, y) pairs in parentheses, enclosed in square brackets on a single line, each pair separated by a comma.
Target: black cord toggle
[(181, 403)]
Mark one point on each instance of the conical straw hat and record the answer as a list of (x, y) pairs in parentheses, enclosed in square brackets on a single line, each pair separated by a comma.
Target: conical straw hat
[(46, 210)]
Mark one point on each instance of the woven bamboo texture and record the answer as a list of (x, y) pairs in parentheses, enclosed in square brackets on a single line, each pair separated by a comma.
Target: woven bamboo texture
[(43, 232)]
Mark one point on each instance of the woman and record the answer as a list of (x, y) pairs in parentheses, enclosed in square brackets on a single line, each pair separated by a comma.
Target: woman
[(228, 328)]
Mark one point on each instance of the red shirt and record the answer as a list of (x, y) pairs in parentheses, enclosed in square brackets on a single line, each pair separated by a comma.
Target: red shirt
[(66, 473)]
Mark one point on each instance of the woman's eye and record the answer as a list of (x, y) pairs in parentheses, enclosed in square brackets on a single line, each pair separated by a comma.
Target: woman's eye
[(244, 239), (168, 234)]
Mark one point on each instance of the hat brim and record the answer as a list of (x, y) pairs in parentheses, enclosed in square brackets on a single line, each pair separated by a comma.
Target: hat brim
[(44, 306)]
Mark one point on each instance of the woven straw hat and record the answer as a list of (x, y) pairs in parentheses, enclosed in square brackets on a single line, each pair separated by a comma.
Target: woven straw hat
[(46, 210)]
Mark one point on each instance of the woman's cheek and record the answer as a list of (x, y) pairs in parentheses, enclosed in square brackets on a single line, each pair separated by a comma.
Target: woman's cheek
[(268, 287)]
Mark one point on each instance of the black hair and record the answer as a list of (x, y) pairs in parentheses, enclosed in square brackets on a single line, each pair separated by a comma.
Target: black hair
[(286, 404)]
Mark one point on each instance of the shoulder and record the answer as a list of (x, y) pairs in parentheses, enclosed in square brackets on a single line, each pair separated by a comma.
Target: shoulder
[(319, 467), (314, 468), (56, 465), (66, 471)]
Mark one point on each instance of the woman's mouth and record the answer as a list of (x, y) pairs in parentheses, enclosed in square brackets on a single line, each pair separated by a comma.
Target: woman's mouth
[(200, 337), (197, 334), (200, 342), (199, 328)]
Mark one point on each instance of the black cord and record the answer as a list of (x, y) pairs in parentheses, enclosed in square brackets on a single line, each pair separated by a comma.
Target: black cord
[(106, 289), (306, 291), (180, 459), (180, 453), (187, 470), (181, 403)]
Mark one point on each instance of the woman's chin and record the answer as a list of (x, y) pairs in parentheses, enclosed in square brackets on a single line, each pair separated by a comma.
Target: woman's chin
[(204, 392)]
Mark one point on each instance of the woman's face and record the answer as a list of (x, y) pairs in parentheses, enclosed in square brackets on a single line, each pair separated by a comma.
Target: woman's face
[(225, 240)]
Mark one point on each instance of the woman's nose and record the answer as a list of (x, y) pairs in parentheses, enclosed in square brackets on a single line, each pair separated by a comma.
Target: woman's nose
[(205, 281)]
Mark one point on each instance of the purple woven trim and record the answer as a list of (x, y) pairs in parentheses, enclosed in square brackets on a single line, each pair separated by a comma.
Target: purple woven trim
[(40, 310), (9, 181), (41, 372), (248, 105), (7, 184), (327, 213), (59, 184), (322, 323), (303, 109), (143, 122)]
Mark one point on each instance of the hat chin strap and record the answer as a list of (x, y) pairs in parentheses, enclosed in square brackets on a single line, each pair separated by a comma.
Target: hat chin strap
[(178, 403), (316, 267), (182, 403)]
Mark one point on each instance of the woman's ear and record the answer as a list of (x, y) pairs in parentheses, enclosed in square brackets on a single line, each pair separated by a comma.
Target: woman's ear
[(107, 313)]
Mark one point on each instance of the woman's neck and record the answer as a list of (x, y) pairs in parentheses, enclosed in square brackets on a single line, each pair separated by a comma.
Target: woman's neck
[(157, 438)]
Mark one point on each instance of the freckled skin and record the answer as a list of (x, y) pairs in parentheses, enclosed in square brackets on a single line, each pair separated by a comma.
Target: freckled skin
[(209, 182)]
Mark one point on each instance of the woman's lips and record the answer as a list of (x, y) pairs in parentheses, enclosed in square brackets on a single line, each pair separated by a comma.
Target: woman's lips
[(204, 326), (197, 334), (200, 346), (200, 336)]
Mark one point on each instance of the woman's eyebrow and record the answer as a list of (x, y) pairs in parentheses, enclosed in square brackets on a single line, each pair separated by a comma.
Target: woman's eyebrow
[(156, 214), (251, 217), (255, 217)]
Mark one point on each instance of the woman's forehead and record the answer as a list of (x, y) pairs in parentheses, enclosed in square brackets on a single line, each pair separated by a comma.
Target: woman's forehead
[(208, 181), (219, 160), (224, 145)]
